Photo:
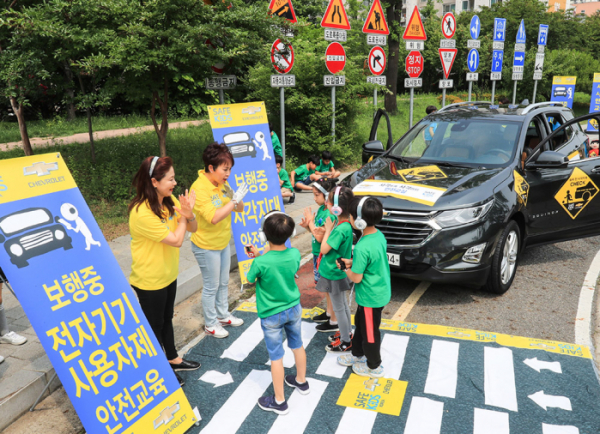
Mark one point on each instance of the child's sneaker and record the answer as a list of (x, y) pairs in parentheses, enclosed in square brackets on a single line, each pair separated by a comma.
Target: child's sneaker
[(302, 388), (339, 347), (365, 371), (292, 199), (327, 327), (216, 331), (231, 321), (321, 317), (268, 403), (334, 337), (350, 360), (12, 338)]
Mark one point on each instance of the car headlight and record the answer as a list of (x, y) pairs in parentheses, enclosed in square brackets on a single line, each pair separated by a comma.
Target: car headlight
[(16, 250), (464, 216), (59, 234), (251, 148)]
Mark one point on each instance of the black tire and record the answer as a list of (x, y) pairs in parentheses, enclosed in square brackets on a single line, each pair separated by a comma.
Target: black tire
[(496, 284)]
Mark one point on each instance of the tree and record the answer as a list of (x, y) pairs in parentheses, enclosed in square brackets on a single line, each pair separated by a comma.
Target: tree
[(393, 19)]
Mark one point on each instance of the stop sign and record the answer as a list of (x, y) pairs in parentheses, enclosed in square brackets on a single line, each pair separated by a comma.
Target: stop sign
[(335, 57), (414, 64)]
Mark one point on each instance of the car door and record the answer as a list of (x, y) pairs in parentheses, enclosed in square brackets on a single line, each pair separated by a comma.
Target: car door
[(566, 140)]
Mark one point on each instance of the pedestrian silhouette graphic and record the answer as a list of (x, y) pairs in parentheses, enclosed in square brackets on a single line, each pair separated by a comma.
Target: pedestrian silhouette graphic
[(377, 20), (336, 10), (449, 24), (569, 197)]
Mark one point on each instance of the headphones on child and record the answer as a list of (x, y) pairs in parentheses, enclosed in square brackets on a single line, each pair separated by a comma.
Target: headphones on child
[(360, 223), (336, 210), (261, 234), (322, 190)]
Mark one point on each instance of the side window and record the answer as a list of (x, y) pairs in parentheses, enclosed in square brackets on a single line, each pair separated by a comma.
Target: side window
[(555, 121), (535, 134)]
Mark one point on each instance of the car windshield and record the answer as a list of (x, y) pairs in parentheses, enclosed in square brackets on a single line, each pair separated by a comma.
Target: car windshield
[(469, 142), (235, 138), (23, 220)]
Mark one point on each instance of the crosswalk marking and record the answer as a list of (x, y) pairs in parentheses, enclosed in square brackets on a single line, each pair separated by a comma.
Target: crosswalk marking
[(424, 416), (301, 407), (242, 346), (490, 422), (232, 414), (330, 367), (393, 351), (443, 369), (308, 332), (559, 429), (499, 378)]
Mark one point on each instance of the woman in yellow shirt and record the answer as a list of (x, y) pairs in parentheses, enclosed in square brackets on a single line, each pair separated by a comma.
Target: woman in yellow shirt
[(215, 201), (157, 223)]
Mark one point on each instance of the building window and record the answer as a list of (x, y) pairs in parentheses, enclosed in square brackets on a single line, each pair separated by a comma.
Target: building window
[(465, 5)]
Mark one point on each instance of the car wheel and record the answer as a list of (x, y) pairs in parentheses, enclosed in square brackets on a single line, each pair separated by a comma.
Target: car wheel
[(504, 261)]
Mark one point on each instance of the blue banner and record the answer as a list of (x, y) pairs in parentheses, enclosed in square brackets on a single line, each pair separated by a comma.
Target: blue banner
[(563, 90), (594, 104)]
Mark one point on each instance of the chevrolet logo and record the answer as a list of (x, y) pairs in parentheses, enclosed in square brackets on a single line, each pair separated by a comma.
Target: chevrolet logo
[(40, 169), (167, 415), (251, 110), (371, 384)]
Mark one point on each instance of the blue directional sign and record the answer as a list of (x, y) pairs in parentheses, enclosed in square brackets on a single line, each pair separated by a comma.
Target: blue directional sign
[(543, 34), (473, 60), (497, 57), (519, 59), (499, 29), (521, 33), (475, 27)]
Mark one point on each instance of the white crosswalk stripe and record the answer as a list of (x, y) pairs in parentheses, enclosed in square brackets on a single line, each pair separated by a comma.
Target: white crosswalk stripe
[(243, 345), (499, 378), (559, 429), (490, 422), (308, 332), (330, 366), (424, 416), (443, 369)]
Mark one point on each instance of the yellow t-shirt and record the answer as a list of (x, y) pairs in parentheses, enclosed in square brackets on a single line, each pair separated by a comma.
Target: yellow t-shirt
[(155, 265), (208, 199)]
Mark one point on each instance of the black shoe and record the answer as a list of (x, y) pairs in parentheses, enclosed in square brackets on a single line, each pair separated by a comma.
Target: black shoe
[(181, 380), (327, 327), (339, 347), (292, 199), (321, 317), (185, 365)]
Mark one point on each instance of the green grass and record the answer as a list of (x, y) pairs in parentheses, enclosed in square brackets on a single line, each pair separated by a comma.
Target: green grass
[(60, 126)]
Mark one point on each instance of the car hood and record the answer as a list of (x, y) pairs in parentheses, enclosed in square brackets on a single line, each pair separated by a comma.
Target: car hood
[(453, 187)]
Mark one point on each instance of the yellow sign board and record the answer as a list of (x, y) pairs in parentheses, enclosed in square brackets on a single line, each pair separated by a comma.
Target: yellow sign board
[(596, 77), (425, 173), (375, 22), (335, 17), (283, 9), (381, 395), (521, 188), (576, 193), (415, 30), (564, 80)]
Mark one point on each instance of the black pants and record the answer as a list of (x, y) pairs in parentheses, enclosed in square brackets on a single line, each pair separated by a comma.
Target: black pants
[(367, 338), (158, 307)]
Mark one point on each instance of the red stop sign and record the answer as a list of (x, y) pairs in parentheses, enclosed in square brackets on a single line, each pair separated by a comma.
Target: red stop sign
[(414, 64), (335, 57)]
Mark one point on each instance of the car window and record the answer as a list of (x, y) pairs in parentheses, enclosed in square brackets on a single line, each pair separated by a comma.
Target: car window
[(236, 137), (17, 222), (555, 120)]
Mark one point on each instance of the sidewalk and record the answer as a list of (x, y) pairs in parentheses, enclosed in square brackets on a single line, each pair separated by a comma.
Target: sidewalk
[(27, 369)]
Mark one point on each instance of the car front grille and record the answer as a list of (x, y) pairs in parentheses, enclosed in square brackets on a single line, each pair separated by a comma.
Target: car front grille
[(239, 149), (407, 228), (32, 241)]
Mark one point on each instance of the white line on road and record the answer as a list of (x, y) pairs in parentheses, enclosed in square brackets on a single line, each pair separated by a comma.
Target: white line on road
[(308, 332), (490, 422), (583, 318), (242, 346), (425, 416), (559, 429), (443, 369), (499, 378)]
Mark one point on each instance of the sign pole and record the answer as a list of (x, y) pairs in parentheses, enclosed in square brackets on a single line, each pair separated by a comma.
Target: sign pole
[(493, 90), (221, 96), (410, 119), (515, 93), (282, 102), (443, 97), (375, 101), (470, 89), (534, 91), (333, 117)]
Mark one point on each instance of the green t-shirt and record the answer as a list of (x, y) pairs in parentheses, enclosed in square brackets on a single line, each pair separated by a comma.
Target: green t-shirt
[(325, 167), (276, 288), (302, 172), (283, 175), (340, 241), (322, 214), (370, 260), (276, 144)]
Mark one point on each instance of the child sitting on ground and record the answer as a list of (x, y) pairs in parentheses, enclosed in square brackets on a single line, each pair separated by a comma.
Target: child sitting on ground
[(284, 181), (326, 168), (278, 304), (370, 272), (304, 175)]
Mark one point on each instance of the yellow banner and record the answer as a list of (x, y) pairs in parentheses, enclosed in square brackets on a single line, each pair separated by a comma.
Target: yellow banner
[(173, 415), (564, 80), (236, 115), (381, 395), (596, 77)]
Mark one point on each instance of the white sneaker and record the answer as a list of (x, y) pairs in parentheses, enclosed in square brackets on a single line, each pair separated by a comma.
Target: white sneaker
[(216, 331), (12, 338), (1, 359), (231, 321)]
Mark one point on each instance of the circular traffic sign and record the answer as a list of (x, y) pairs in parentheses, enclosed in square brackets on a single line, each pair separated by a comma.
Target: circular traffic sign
[(449, 25), (377, 60), (475, 27), (219, 67), (473, 60), (414, 64), (335, 57), (282, 57)]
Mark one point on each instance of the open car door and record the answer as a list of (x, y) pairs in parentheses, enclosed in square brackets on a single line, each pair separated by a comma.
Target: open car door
[(374, 148)]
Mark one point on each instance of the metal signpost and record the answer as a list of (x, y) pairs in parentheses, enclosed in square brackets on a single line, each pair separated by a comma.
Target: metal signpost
[(447, 52), (539, 57), (473, 64), (335, 60), (377, 30), (282, 58), (414, 31), (220, 83), (519, 59), (498, 53)]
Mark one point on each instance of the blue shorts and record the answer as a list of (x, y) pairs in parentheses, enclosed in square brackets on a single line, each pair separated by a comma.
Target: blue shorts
[(315, 269), (273, 326)]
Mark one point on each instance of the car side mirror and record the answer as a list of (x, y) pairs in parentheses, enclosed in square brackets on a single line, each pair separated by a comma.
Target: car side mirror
[(548, 160), (374, 147)]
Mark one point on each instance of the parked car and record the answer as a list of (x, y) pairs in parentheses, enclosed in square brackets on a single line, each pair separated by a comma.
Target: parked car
[(461, 208), (240, 144)]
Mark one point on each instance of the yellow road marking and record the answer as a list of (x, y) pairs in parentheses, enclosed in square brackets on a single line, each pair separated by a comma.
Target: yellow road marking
[(410, 302)]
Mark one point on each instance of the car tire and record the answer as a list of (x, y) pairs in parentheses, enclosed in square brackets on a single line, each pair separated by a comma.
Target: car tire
[(505, 255)]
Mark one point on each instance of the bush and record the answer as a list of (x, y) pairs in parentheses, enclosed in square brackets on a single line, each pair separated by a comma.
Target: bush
[(450, 99)]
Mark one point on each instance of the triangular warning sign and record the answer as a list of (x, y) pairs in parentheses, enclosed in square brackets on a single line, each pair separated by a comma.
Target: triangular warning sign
[(335, 16), (447, 56), (375, 22), (283, 9), (414, 29)]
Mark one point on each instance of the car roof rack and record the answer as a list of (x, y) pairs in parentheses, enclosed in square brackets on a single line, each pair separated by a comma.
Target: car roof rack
[(540, 104), (463, 103)]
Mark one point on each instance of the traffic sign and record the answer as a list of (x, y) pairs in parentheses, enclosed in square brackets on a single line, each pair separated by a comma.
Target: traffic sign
[(473, 43), (563, 90), (221, 82), (418, 45), (336, 35), (334, 80), (543, 34), (335, 57), (521, 33), (446, 84), (448, 25), (283, 80), (472, 76), (413, 82), (447, 43), (283, 9), (219, 67), (475, 27), (376, 40), (447, 57), (497, 57), (335, 17), (375, 22), (373, 79), (282, 56), (377, 60), (499, 29), (518, 61), (539, 66), (473, 60), (414, 64), (415, 29), (496, 76)]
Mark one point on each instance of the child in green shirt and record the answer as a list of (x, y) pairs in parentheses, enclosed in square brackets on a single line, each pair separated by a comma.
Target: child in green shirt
[(370, 272), (278, 305), (304, 175), (275, 141), (326, 168), (284, 181)]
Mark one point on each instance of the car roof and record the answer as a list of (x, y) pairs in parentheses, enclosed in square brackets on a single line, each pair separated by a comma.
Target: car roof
[(502, 113)]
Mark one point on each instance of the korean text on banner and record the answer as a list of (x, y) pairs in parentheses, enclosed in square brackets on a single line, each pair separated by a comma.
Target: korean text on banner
[(81, 306), (244, 128), (594, 104)]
